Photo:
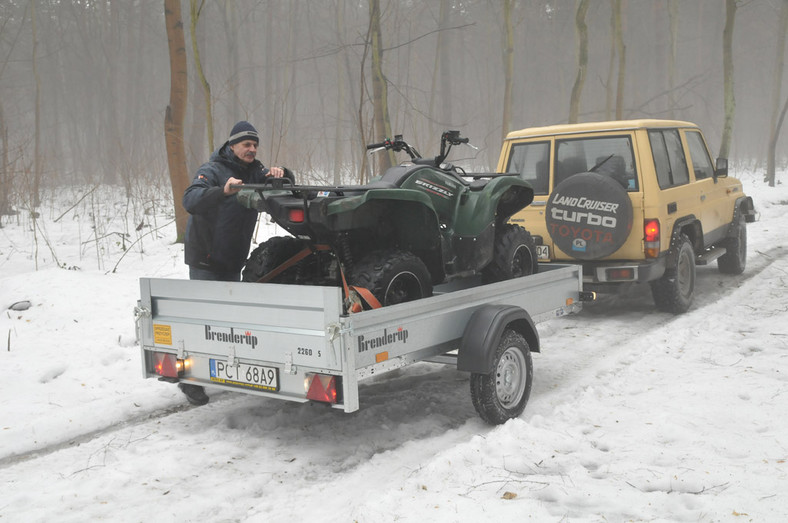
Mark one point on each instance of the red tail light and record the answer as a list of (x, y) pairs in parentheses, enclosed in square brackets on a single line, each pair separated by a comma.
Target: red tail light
[(321, 387), (651, 236), (167, 365), (296, 215)]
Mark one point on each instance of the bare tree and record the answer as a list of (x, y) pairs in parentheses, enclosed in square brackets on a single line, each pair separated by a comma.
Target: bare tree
[(777, 80), (727, 72), (36, 189), (382, 122), (617, 49), (581, 32), (174, 116), (206, 87), (508, 68)]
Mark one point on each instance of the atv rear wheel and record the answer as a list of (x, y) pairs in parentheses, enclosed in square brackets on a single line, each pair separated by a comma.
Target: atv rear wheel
[(392, 276), (269, 255), (514, 255)]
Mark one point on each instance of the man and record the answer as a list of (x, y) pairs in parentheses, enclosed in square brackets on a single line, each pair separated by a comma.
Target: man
[(219, 231)]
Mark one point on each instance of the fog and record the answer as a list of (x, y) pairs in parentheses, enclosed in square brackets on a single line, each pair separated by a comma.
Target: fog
[(84, 84)]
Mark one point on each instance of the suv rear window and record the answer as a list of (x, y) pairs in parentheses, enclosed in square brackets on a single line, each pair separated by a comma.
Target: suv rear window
[(608, 155)]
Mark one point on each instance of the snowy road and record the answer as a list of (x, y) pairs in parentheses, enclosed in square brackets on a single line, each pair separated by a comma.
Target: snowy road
[(634, 415)]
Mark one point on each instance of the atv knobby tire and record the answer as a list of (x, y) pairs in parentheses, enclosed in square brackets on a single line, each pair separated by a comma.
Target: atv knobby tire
[(502, 394), (674, 291), (269, 255), (392, 276), (514, 255)]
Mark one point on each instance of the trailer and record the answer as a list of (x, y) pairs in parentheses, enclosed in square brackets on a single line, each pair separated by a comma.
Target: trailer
[(296, 343)]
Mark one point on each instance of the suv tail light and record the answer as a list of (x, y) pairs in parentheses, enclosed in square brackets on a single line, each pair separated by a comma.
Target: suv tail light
[(651, 235)]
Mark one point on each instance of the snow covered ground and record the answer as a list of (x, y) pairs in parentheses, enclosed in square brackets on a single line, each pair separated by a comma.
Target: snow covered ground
[(635, 415)]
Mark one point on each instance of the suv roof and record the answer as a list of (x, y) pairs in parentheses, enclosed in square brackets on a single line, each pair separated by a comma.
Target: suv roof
[(591, 127)]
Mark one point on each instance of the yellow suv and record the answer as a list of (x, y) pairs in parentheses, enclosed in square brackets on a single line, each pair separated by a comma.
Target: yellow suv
[(632, 201)]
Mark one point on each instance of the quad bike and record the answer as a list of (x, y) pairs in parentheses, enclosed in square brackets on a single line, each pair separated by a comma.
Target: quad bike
[(420, 224)]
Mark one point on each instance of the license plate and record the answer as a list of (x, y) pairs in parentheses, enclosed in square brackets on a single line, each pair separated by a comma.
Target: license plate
[(245, 375), (542, 252)]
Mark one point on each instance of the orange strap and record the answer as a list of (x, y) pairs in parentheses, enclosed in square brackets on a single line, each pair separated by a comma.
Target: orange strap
[(364, 293), (292, 261)]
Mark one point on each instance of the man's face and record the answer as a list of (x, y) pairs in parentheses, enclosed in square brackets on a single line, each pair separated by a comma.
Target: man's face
[(245, 151)]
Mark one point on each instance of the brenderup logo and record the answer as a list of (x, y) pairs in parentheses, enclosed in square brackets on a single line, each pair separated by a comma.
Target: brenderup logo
[(388, 338), (230, 337)]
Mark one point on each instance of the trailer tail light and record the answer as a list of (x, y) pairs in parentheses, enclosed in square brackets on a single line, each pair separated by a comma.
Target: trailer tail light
[(296, 215), (167, 365), (321, 387), (651, 235)]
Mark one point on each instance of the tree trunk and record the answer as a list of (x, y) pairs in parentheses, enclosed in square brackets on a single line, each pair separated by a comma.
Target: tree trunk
[(174, 116), (382, 123), (582, 59), (774, 130), (206, 87), (622, 59), (727, 72), (508, 69), (36, 189), (673, 15)]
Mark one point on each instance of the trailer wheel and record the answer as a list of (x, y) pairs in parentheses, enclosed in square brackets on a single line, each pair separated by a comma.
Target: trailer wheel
[(393, 276), (502, 394)]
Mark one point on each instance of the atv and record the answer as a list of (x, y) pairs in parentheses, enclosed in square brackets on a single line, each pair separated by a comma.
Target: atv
[(421, 223)]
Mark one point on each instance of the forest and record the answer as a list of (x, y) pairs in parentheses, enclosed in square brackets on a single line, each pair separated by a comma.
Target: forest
[(136, 93)]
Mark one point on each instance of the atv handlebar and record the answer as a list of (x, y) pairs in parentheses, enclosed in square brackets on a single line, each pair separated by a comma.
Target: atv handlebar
[(398, 144)]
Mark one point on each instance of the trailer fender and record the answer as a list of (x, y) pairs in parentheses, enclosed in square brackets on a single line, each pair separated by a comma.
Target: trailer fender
[(484, 331)]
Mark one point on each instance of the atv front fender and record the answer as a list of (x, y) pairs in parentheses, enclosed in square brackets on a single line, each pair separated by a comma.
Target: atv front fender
[(492, 202)]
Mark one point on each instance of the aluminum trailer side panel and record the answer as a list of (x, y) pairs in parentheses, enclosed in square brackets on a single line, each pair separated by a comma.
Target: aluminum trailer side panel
[(301, 329)]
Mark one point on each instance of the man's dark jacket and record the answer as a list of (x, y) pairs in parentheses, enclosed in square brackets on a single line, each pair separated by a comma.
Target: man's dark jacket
[(220, 230)]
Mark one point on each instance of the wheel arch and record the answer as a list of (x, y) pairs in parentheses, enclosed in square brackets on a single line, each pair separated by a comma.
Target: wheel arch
[(484, 331)]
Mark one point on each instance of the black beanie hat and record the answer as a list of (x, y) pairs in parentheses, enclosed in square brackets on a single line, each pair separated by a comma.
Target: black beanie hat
[(243, 131)]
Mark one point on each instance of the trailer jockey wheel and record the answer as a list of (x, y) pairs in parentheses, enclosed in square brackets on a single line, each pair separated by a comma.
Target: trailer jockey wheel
[(502, 394)]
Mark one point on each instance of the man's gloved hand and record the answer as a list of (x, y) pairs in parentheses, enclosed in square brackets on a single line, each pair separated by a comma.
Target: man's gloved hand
[(250, 199)]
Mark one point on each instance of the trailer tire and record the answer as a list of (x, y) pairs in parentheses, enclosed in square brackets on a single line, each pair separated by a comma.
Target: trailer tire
[(514, 255), (392, 276), (502, 394)]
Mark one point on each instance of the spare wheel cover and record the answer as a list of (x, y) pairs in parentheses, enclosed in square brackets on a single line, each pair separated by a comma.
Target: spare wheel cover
[(589, 216)]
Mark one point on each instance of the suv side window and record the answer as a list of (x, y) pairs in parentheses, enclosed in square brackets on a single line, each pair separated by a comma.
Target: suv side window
[(701, 163), (532, 162), (669, 161)]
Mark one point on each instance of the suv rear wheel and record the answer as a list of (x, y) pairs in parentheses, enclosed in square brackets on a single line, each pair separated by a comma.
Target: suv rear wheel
[(673, 292), (735, 260)]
